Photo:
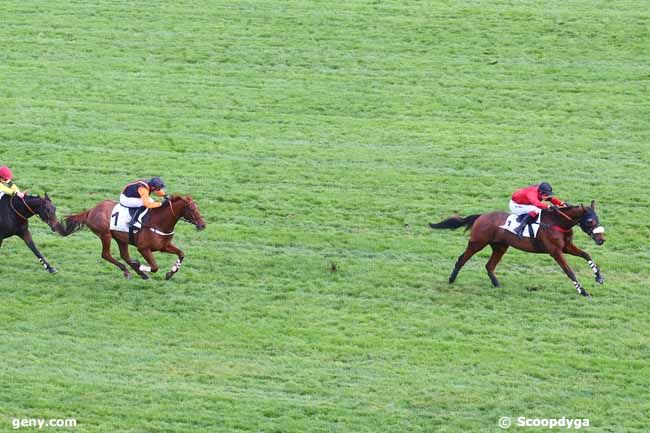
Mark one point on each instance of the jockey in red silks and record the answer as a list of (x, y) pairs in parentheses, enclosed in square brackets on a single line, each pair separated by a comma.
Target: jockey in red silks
[(529, 201)]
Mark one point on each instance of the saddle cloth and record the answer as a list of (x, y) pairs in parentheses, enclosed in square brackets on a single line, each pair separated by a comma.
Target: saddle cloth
[(514, 220), (121, 216)]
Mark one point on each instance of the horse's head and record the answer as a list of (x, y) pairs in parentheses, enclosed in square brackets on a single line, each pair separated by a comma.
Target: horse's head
[(46, 210), (590, 224), (191, 214)]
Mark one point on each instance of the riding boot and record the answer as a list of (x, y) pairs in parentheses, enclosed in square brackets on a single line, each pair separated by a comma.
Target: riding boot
[(519, 231), (134, 217)]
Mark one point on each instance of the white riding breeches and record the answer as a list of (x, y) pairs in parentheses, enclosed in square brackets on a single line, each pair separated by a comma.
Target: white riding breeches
[(520, 209), (131, 201)]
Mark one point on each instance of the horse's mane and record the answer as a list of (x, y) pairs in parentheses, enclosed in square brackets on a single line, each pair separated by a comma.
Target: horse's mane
[(187, 198)]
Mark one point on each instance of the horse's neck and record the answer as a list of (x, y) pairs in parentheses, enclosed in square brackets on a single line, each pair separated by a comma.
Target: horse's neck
[(575, 213), (33, 202), (166, 217), (30, 205)]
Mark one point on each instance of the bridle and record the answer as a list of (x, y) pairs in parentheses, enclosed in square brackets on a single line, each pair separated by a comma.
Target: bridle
[(590, 232)]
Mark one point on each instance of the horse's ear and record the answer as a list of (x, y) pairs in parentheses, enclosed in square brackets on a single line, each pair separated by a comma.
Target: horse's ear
[(593, 204)]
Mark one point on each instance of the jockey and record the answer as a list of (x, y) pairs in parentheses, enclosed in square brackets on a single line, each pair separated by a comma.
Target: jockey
[(137, 194), (6, 184), (529, 201)]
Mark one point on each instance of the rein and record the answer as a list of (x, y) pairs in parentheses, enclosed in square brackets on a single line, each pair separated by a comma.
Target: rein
[(567, 217), (11, 203), (171, 207)]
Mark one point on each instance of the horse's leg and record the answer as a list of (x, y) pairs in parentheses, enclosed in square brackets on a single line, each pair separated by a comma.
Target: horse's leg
[(27, 237), (498, 250), (172, 249), (559, 258), (472, 248), (575, 251), (135, 265), (106, 254), (148, 256)]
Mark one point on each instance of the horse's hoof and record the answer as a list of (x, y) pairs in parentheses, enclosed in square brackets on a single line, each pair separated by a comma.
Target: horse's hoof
[(169, 275), (600, 280), (585, 293), (52, 271), (144, 276)]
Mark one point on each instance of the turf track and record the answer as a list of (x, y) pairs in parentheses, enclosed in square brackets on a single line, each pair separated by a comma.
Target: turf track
[(320, 133)]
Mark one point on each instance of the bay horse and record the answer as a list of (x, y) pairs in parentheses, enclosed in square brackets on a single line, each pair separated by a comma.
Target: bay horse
[(155, 235), (15, 213), (555, 237)]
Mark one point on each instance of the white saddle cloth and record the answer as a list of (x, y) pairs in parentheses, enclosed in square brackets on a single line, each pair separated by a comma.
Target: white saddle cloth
[(120, 218), (511, 224)]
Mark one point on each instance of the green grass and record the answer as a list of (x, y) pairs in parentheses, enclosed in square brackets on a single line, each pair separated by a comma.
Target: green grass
[(319, 133)]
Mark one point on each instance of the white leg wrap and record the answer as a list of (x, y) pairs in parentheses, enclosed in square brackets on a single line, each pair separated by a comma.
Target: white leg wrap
[(593, 266), (577, 286), (145, 268), (176, 266)]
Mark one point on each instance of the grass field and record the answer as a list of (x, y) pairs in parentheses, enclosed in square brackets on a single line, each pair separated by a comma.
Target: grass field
[(314, 134)]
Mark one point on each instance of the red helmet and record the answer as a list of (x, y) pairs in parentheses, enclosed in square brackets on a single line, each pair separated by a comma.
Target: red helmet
[(5, 172)]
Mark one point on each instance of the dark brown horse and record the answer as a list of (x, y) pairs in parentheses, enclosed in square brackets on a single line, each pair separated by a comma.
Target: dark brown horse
[(156, 233), (555, 237), (15, 213)]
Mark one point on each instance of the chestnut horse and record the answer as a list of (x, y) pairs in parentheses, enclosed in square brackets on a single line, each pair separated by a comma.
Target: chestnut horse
[(555, 237), (155, 235), (15, 213)]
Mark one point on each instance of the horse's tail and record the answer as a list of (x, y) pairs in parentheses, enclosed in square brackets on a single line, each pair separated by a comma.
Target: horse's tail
[(455, 222), (73, 223)]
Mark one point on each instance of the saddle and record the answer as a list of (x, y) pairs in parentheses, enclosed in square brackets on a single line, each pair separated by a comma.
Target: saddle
[(121, 217), (514, 220)]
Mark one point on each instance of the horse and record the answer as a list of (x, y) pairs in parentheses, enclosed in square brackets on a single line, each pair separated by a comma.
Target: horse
[(15, 212), (555, 237), (155, 235)]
